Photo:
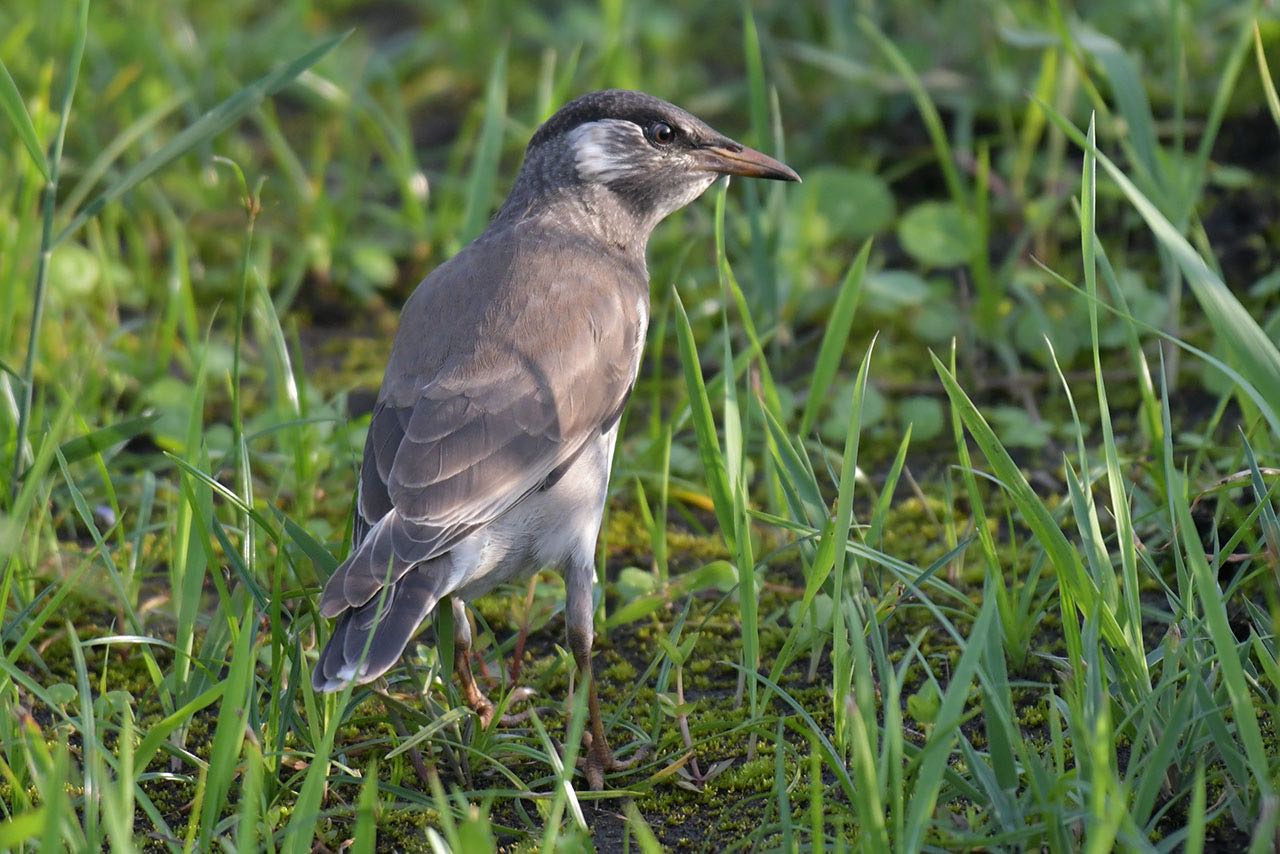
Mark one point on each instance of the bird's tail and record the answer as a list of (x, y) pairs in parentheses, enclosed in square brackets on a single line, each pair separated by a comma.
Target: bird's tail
[(368, 640)]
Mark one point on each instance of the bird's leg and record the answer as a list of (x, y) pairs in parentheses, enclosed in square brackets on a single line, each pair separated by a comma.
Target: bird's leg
[(471, 693), (579, 621), (517, 658)]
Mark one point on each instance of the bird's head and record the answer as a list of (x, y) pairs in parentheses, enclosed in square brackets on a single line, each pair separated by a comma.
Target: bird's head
[(646, 155)]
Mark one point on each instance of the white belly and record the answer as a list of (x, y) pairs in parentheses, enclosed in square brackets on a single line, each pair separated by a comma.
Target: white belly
[(548, 528)]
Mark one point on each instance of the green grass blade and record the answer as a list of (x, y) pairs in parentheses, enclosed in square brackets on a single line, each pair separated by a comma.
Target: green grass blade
[(978, 509), (1004, 735), (249, 806), (1245, 386), (1255, 355), (733, 291), (835, 338), (933, 758), (1264, 73), (160, 730), (104, 438), (834, 542), (645, 840), (1141, 368), (228, 736), (321, 558), (800, 485), (488, 151), (203, 129), (713, 460), (92, 765), (1222, 100), (366, 834), (1131, 101), (1075, 583), (875, 531), (13, 106), (1126, 538), (781, 799), (857, 732), (1266, 510), (757, 100), (928, 112), (47, 242), (1234, 678), (1196, 818), (119, 145), (1151, 772), (299, 835)]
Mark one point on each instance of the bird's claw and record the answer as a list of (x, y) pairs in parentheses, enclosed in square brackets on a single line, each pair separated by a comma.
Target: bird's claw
[(597, 762), (485, 709)]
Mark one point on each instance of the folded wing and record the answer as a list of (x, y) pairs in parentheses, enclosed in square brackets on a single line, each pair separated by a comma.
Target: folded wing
[(492, 387)]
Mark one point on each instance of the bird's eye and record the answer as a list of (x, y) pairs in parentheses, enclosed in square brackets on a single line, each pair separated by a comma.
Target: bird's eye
[(661, 133)]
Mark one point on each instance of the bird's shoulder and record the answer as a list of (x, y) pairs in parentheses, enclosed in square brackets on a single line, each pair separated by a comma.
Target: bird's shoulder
[(528, 292)]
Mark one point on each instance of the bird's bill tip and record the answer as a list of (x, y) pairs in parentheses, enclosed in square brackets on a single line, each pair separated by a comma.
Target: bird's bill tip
[(747, 162)]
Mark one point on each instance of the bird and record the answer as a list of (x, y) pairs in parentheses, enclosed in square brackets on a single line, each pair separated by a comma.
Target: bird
[(491, 440)]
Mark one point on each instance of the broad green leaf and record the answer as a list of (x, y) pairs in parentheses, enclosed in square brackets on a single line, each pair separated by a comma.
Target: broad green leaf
[(836, 204), (20, 828), (892, 291), (924, 415), (937, 234)]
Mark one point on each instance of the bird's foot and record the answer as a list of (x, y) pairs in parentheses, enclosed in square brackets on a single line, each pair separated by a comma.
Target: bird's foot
[(484, 707), (600, 760)]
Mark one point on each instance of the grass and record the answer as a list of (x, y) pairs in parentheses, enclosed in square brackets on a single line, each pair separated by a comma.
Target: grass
[(945, 513)]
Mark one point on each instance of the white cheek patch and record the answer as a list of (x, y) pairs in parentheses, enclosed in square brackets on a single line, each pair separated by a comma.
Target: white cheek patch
[(599, 149)]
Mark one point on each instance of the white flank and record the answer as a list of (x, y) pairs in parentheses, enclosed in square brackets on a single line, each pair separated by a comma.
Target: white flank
[(637, 353)]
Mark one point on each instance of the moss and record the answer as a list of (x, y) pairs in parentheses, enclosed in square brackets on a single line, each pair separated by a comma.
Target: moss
[(627, 540), (620, 671), (750, 776), (406, 830), (346, 361)]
